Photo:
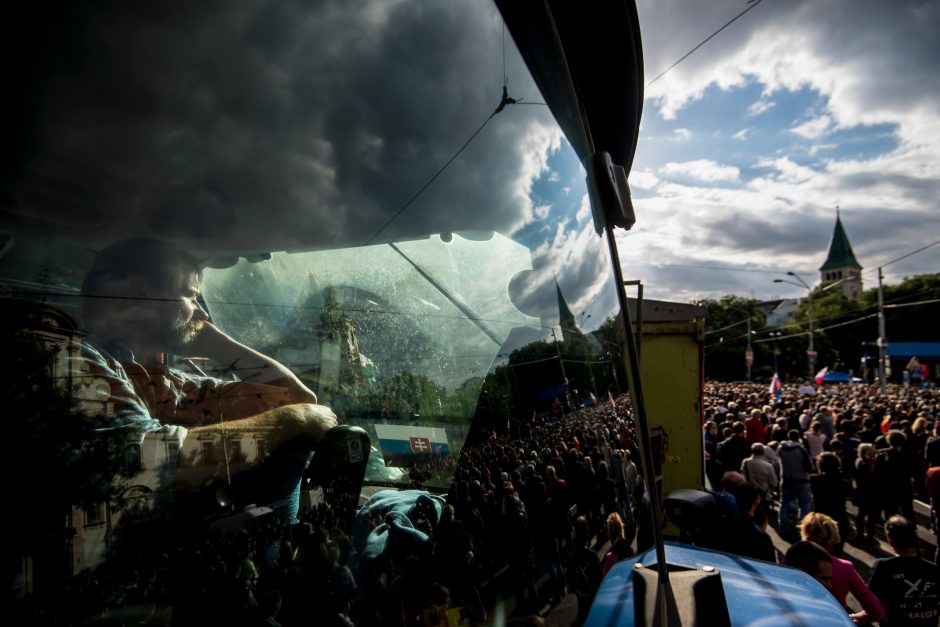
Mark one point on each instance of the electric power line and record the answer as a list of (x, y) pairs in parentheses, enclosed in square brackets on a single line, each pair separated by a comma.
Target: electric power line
[(727, 326), (702, 267), (506, 100), (704, 41), (913, 252), (431, 180), (831, 326)]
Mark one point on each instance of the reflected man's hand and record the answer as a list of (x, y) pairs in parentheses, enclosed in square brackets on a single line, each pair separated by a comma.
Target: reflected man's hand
[(283, 424)]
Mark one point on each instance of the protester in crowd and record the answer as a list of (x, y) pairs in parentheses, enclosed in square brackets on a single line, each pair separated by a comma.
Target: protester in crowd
[(761, 473), (813, 560), (827, 419), (755, 429), (917, 449), (932, 448), (830, 492), (824, 531), (620, 548), (815, 439), (733, 449), (894, 469), (932, 486), (848, 440), (867, 498), (907, 585), (741, 533), (795, 482), (779, 431), (583, 570)]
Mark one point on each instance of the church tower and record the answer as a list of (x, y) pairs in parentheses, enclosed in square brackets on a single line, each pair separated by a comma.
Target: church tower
[(841, 264), (565, 317)]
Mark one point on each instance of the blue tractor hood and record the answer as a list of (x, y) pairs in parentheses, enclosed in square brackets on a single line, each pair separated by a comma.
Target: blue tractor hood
[(755, 592)]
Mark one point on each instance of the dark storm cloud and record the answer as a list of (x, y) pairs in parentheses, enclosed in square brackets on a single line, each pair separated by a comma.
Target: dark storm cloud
[(277, 124), (792, 233), (909, 188)]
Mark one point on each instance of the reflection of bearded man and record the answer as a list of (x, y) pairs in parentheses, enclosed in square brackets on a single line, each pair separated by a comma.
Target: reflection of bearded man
[(143, 294), (141, 302)]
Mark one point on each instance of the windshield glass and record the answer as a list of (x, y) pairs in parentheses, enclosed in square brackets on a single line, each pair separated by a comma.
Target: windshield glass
[(212, 213), (398, 333)]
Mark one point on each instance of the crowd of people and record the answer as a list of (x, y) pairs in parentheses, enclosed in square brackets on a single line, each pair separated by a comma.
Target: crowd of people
[(550, 510), (798, 461), (519, 510)]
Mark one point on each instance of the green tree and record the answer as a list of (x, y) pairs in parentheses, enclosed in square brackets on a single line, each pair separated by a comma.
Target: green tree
[(726, 336), (837, 328), (846, 330), (905, 322)]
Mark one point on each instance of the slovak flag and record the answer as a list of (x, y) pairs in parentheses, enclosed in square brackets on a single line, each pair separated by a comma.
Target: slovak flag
[(402, 444), (822, 373), (775, 386)]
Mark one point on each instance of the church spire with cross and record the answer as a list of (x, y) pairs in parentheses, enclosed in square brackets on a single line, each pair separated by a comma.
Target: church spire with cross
[(841, 265)]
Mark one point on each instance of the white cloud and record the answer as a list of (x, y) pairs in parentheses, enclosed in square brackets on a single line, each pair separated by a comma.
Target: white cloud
[(743, 133), (814, 128), (553, 177), (788, 171), (702, 170), (760, 107), (540, 212), (537, 142), (643, 179), (815, 148), (682, 134), (584, 209)]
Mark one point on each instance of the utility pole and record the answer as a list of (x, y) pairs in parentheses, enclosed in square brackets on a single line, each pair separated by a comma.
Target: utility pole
[(882, 335), (749, 355), (749, 351), (811, 351), (773, 337), (613, 371), (561, 362)]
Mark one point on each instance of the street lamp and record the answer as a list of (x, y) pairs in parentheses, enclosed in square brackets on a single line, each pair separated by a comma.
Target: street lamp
[(811, 353), (773, 338)]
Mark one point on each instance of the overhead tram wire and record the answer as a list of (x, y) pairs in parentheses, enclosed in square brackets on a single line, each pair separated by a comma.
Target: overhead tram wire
[(701, 267), (727, 326), (431, 180), (752, 3), (755, 270), (826, 328), (905, 256), (503, 103)]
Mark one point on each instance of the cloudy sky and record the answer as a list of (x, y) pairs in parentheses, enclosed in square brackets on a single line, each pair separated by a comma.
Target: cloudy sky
[(278, 125), (748, 146)]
